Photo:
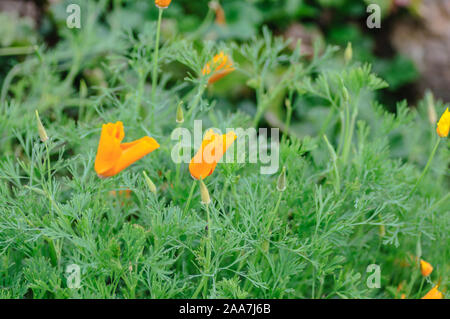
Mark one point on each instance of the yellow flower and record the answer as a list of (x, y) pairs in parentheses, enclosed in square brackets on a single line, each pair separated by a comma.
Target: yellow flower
[(162, 3), (425, 268), (434, 293), (443, 125), (222, 65)]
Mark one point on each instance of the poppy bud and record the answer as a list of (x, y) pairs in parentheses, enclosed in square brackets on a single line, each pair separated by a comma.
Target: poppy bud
[(204, 193), (345, 94), (41, 129), (149, 183), (348, 53), (281, 185), (180, 116), (432, 116)]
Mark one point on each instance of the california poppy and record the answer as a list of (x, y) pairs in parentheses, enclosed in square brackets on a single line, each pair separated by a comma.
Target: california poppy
[(425, 268), (220, 66), (443, 126), (434, 293), (162, 3), (114, 156), (220, 13), (211, 151)]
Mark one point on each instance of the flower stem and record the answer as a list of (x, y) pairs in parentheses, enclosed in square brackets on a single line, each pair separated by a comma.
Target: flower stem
[(186, 208), (24, 50), (155, 60), (425, 170), (204, 283), (48, 166), (274, 212), (194, 104)]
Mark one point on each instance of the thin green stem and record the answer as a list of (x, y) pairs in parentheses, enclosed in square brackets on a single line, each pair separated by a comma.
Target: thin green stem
[(186, 208), (287, 123), (272, 216), (49, 171), (274, 212), (194, 104), (425, 170), (205, 24), (204, 282), (17, 50), (155, 60), (178, 169)]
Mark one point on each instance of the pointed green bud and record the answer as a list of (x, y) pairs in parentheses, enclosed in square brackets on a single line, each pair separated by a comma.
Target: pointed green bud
[(431, 110), (149, 183), (83, 89), (281, 185), (348, 53), (41, 129), (345, 94), (204, 193), (180, 115)]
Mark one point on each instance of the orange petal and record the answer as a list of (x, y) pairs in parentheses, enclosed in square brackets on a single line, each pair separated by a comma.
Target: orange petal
[(109, 151), (218, 75), (212, 150), (221, 66), (434, 293), (162, 3), (134, 151)]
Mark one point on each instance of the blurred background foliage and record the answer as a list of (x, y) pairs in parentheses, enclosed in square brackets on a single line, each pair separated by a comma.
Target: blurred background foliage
[(328, 21), (315, 23)]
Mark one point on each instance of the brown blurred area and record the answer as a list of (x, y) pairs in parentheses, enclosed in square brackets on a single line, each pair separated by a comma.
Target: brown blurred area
[(426, 40)]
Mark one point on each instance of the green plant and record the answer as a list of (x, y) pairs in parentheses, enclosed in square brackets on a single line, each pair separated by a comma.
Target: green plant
[(352, 196)]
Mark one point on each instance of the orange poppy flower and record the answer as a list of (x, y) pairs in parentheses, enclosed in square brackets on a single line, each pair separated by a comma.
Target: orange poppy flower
[(443, 126), (113, 157), (222, 65), (220, 13), (211, 151), (434, 293), (425, 268), (162, 3)]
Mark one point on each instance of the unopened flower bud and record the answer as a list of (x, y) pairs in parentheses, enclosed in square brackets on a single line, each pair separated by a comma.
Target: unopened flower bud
[(281, 185), (204, 193), (180, 115), (149, 183), (431, 110), (348, 53), (345, 94), (41, 129)]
